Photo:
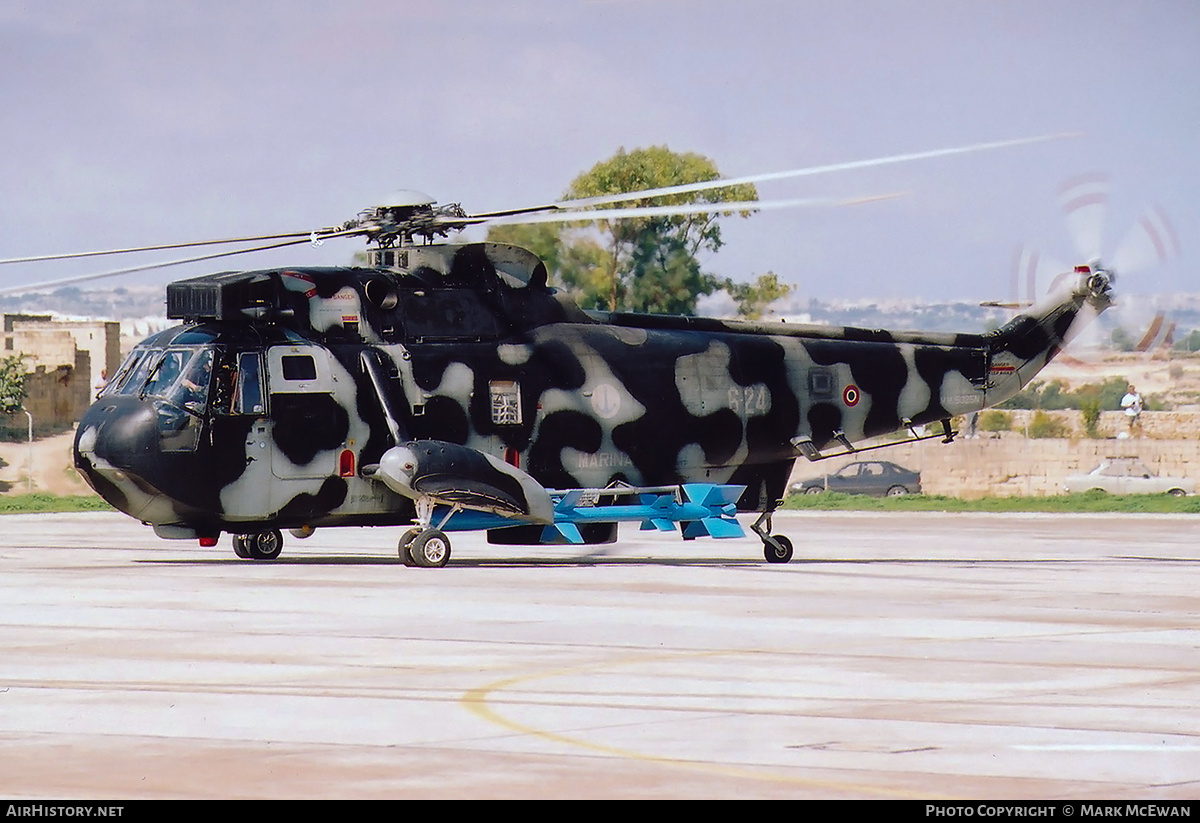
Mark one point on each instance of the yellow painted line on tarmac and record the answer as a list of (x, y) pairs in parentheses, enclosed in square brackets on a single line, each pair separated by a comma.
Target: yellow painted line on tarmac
[(476, 701)]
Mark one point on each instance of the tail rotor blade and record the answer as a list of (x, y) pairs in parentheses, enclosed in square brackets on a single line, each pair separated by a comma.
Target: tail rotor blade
[(1160, 333), (1084, 201), (1035, 276), (1151, 242)]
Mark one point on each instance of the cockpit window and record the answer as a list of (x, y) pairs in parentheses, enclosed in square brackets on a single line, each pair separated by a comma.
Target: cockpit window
[(181, 376), (138, 362), (166, 372), (191, 390)]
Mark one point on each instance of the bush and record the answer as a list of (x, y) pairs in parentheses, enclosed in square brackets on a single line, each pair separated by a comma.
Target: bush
[(1044, 426), (994, 420), (1089, 409), (1057, 395)]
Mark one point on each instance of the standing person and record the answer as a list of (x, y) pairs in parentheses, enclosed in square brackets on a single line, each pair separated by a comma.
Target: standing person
[(1132, 404)]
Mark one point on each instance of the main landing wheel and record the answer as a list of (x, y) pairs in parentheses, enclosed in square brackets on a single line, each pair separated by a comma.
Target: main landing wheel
[(241, 547), (430, 549), (780, 553), (406, 540), (264, 545)]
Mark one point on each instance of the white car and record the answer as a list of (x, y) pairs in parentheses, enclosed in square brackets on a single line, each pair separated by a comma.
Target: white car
[(1127, 475)]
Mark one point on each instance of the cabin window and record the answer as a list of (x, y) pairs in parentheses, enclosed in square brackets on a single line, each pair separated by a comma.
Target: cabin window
[(248, 396), (506, 402), (299, 367)]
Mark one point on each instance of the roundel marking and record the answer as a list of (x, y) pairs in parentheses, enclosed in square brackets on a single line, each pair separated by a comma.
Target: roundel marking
[(851, 395)]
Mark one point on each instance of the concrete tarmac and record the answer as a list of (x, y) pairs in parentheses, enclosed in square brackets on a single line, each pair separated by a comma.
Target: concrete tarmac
[(898, 656)]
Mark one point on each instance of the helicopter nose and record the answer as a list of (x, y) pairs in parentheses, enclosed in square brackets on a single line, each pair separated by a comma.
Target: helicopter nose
[(112, 445), (116, 434)]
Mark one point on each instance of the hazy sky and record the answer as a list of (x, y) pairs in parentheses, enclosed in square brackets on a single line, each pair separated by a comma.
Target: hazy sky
[(130, 122)]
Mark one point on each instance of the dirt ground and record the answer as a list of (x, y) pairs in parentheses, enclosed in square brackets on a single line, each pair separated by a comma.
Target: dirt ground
[(52, 466), (1174, 379)]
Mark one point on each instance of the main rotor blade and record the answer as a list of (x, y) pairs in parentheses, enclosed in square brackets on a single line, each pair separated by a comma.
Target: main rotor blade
[(724, 207), (73, 255), (781, 175), (83, 278)]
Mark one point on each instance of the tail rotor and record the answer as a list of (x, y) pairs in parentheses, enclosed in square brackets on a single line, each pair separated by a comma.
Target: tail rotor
[(1150, 242)]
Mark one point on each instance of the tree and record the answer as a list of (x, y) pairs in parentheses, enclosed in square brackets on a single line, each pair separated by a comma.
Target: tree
[(640, 263), (754, 298), (12, 383), (1189, 343)]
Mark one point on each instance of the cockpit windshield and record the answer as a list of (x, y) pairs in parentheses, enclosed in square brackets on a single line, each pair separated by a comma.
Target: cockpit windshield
[(131, 374), (177, 375)]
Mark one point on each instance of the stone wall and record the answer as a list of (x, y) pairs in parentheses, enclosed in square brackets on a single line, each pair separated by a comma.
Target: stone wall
[(1007, 464), (56, 399)]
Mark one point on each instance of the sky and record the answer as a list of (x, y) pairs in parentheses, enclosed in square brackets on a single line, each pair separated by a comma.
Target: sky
[(135, 122)]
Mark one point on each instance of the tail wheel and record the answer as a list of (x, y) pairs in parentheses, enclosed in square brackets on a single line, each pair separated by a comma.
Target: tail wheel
[(430, 549), (264, 545), (897, 491), (780, 551)]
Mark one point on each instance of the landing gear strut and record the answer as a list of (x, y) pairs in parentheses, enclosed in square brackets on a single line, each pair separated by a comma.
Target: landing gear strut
[(426, 545), (776, 547)]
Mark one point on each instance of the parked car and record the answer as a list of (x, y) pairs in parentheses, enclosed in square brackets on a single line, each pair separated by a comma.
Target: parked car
[(1127, 475), (874, 477)]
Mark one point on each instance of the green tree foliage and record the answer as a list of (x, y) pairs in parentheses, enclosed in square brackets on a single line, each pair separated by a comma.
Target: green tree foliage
[(640, 263), (12, 383), (754, 298), (1056, 394), (1189, 343), (1122, 340)]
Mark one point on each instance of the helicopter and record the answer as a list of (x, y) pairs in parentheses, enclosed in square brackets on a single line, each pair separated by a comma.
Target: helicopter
[(448, 387)]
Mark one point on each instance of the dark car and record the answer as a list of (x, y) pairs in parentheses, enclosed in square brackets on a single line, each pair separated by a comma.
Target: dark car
[(874, 477)]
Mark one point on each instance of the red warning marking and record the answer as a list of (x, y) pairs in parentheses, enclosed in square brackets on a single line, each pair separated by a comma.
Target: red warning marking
[(304, 281), (850, 395)]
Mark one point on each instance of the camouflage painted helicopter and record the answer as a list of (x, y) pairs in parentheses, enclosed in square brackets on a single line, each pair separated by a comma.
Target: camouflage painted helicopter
[(448, 387)]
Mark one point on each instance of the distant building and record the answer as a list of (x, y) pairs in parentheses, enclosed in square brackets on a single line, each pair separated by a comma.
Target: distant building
[(68, 361)]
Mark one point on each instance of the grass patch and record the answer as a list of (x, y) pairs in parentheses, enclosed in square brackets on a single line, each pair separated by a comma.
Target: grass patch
[(1085, 502), (40, 502)]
